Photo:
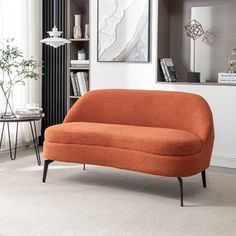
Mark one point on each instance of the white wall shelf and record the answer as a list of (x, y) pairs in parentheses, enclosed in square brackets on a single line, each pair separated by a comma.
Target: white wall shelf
[(74, 97), (196, 84)]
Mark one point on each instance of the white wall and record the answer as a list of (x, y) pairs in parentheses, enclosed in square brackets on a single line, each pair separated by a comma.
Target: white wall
[(143, 76), (122, 75)]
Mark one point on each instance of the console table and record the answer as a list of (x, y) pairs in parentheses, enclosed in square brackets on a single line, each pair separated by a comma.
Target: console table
[(32, 123)]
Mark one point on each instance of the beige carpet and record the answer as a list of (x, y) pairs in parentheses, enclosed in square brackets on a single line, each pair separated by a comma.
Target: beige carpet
[(106, 201)]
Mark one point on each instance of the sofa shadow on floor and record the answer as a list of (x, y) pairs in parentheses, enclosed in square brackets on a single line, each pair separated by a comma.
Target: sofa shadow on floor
[(220, 191), (214, 195)]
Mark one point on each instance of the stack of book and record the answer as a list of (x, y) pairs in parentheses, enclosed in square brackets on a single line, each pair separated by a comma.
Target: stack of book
[(80, 83), (227, 78), (24, 113), (168, 70), (81, 64)]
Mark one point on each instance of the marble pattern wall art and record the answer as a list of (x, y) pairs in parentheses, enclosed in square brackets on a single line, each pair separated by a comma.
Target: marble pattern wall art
[(123, 30)]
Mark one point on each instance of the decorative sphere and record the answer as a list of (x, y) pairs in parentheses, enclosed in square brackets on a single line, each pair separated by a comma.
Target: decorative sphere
[(194, 29)]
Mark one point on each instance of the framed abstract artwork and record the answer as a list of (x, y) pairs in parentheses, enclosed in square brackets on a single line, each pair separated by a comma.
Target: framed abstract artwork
[(123, 31)]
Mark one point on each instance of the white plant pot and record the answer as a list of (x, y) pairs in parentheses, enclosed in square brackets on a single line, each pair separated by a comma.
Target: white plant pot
[(81, 56)]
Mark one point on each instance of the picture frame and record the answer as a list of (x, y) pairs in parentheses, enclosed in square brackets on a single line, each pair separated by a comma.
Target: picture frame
[(123, 31)]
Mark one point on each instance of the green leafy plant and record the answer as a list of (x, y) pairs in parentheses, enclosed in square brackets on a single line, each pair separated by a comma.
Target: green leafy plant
[(14, 69), (81, 51)]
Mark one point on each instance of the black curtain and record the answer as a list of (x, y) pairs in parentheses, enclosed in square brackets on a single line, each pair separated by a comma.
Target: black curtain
[(54, 84)]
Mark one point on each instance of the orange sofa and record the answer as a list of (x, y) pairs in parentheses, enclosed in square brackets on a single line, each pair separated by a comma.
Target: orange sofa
[(155, 132)]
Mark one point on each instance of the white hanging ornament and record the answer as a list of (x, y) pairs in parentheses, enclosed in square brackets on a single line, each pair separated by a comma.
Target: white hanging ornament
[(54, 40)]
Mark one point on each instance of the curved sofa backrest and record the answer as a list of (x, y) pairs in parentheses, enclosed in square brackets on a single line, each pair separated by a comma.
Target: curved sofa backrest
[(163, 109)]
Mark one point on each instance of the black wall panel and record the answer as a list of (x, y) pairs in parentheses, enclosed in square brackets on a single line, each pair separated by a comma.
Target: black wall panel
[(54, 84)]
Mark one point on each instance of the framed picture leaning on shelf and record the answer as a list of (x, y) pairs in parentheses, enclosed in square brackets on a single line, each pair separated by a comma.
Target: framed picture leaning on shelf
[(123, 30)]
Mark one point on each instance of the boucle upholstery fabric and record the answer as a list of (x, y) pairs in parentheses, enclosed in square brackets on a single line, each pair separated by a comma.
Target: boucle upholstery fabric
[(138, 138), (156, 132)]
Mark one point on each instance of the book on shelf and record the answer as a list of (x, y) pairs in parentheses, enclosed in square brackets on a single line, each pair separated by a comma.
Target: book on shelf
[(79, 63), (73, 83), (26, 111), (81, 67), (77, 85), (29, 113), (83, 85), (227, 78), (168, 70), (86, 80), (29, 116), (164, 72)]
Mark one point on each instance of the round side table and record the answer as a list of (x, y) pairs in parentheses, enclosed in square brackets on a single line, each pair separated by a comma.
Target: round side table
[(32, 123)]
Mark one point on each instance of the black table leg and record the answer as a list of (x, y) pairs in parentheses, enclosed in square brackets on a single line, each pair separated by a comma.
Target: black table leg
[(16, 140), (3, 126), (13, 157), (35, 140), (9, 140)]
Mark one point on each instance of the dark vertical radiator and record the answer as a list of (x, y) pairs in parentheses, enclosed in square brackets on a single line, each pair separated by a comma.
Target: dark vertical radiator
[(54, 83)]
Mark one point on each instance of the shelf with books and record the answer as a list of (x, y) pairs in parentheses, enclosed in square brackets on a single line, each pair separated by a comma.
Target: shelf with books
[(78, 69), (79, 83), (211, 50)]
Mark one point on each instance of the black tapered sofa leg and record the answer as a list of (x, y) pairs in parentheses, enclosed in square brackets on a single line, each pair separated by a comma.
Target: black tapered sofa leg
[(181, 191), (204, 179), (45, 170)]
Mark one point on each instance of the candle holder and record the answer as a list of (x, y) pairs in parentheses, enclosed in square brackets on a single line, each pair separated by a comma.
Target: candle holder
[(194, 30)]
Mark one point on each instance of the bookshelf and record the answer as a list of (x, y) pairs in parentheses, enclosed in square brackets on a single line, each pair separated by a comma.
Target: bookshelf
[(216, 16), (77, 7)]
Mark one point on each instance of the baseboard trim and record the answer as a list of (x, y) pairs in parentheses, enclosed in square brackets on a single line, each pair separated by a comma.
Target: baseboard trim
[(228, 161)]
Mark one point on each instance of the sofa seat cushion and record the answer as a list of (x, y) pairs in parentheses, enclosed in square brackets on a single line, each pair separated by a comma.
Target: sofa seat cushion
[(160, 141)]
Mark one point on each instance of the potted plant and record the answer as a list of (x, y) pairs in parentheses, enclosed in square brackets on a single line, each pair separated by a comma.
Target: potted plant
[(14, 69), (81, 54)]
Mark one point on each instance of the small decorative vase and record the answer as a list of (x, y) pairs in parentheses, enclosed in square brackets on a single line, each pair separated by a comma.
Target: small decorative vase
[(77, 32), (81, 56), (77, 28), (86, 31)]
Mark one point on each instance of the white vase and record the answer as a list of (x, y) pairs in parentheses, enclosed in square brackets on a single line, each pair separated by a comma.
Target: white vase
[(81, 56), (7, 110), (77, 28), (77, 32)]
